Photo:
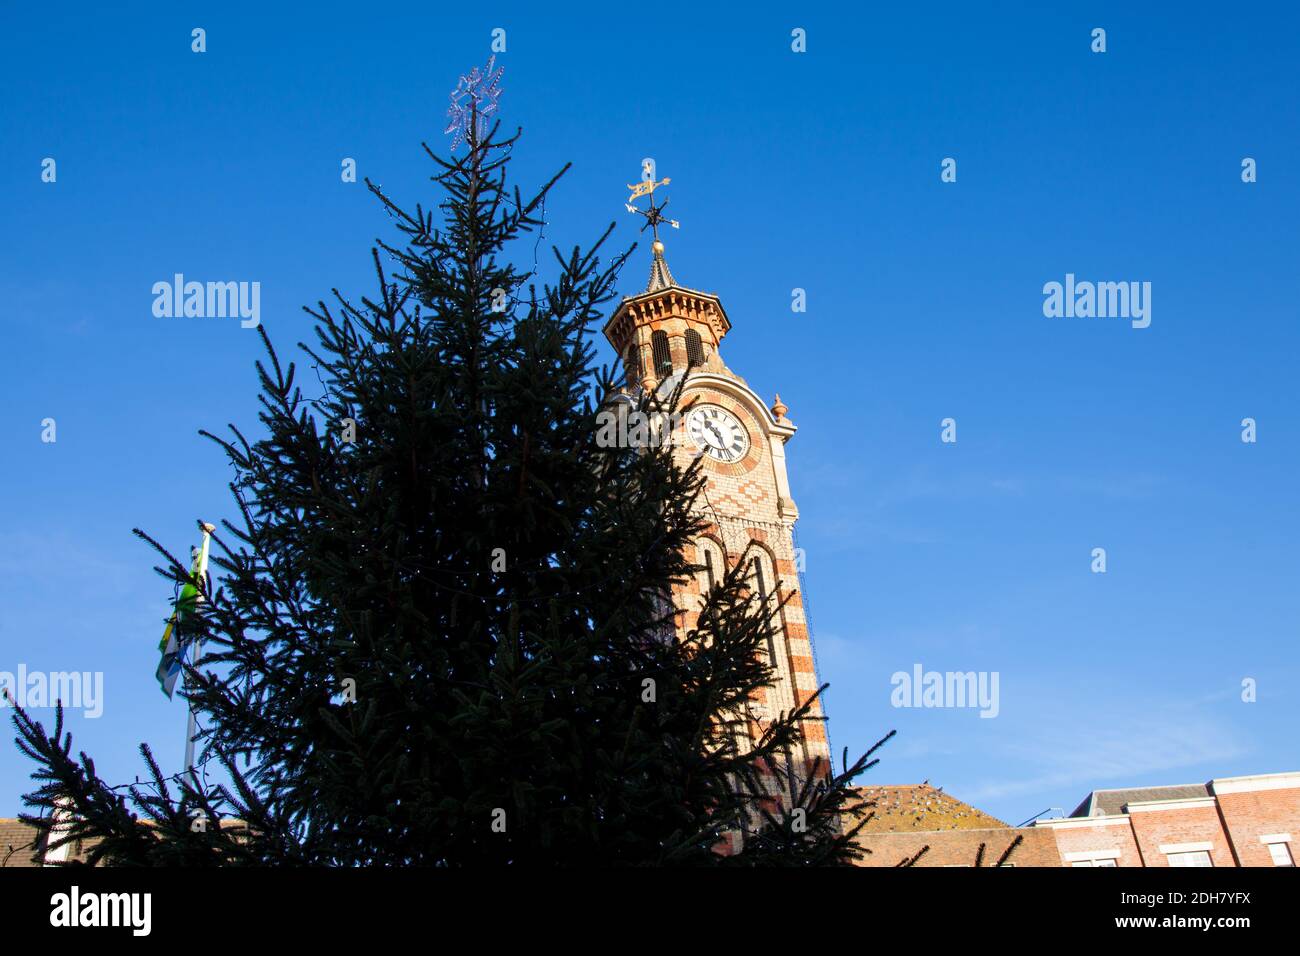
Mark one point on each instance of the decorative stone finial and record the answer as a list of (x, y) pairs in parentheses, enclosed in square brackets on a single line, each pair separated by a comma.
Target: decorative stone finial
[(779, 409)]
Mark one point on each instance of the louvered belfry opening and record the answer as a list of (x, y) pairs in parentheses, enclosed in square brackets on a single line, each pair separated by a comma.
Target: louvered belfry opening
[(662, 357), (694, 348)]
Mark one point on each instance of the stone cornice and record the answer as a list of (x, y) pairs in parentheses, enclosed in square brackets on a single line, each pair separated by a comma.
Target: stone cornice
[(676, 302)]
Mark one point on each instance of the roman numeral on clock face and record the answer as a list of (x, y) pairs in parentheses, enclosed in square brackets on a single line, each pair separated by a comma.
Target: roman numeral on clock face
[(718, 433)]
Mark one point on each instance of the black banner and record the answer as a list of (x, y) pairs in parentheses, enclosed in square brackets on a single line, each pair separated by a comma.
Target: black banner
[(333, 906)]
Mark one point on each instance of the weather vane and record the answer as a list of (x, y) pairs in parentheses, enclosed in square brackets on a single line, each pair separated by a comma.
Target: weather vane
[(475, 96), (654, 215)]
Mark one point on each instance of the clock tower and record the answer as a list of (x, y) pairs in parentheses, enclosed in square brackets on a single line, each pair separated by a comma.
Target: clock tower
[(669, 332)]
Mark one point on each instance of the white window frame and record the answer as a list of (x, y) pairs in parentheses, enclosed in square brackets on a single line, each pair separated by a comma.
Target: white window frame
[(1205, 845), (1091, 857), (1285, 844)]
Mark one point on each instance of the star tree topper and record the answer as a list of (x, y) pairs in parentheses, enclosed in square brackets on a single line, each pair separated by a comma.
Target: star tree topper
[(474, 99)]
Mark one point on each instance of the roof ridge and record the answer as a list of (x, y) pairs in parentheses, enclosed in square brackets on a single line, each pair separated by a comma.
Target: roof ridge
[(1157, 786)]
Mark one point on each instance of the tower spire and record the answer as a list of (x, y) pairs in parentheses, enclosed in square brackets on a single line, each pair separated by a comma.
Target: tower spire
[(660, 276)]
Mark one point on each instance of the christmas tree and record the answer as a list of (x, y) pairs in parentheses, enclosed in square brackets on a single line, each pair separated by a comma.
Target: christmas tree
[(439, 632)]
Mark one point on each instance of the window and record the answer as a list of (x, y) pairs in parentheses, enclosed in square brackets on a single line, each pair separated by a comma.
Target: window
[(1092, 858), (1281, 854), (712, 567), (694, 348), (1193, 858), (662, 357), (709, 556), (781, 696), (632, 365), (767, 607)]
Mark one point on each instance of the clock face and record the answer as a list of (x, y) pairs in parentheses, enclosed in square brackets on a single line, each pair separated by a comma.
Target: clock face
[(717, 433)]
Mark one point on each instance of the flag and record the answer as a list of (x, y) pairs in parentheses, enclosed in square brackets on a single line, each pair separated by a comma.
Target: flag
[(169, 668)]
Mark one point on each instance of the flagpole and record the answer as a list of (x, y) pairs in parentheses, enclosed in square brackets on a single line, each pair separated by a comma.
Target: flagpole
[(191, 723)]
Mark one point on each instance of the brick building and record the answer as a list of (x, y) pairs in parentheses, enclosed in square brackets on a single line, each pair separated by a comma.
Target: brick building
[(1231, 821), (923, 826)]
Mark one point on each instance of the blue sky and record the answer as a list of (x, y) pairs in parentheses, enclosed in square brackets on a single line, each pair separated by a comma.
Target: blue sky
[(818, 171)]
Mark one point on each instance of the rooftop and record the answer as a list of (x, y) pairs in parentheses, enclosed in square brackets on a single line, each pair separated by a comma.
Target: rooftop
[(1105, 803), (919, 807)]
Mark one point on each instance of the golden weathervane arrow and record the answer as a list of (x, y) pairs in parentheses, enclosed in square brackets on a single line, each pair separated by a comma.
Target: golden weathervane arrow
[(654, 215)]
